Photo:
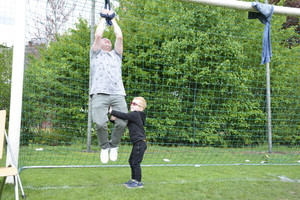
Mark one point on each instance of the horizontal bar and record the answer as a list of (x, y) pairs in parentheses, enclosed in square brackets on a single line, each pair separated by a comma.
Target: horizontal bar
[(242, 5)]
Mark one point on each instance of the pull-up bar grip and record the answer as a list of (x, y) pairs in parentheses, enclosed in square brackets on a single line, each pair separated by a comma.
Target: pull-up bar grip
[(108, 17)]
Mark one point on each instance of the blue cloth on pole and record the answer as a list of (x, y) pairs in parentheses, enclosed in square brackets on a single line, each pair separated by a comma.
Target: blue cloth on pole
[(264, 15)]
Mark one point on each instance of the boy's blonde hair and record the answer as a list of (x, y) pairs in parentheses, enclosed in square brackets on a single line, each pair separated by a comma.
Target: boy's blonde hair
[(143, 102)]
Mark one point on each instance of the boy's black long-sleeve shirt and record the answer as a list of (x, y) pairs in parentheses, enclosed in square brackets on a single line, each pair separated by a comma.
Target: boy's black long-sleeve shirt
[(136, 123)]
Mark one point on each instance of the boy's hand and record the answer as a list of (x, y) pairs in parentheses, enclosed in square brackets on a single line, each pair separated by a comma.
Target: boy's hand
[(113, 118)]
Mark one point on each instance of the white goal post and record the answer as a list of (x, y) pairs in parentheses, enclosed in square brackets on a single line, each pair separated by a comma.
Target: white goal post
[(17, 85), (242, 5)]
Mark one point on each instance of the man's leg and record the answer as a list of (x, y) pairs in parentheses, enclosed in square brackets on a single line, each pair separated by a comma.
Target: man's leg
[(100, 105), (118, 103)]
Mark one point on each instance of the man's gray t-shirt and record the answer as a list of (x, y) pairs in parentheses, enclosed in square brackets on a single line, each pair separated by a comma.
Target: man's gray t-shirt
[(106, 73)]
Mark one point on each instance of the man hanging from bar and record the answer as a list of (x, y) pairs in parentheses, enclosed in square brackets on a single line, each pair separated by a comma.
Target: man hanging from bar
[(107, 87)]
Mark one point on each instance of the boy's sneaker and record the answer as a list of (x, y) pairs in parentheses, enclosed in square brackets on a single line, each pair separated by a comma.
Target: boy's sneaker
[(128, 182), (104, 156), (135, 184), (114, 154)]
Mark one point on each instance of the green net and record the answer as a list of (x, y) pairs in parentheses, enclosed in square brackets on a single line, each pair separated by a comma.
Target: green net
[(197, 66)]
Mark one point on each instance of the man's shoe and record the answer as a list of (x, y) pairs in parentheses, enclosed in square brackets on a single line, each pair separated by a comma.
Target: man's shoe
[(135, 184), (114, 154), (104, 156), (128, 182)]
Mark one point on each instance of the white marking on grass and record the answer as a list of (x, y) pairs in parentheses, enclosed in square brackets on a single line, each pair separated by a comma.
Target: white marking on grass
[(55, 188), (66, 187), (286, 179), (182, 181)]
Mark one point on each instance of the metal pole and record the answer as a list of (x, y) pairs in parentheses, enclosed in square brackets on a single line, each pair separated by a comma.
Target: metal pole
[(89, 131), (269, 103), (241, 5), (269, 107)]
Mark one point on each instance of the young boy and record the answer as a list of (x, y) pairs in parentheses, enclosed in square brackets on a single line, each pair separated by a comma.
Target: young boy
[(136, 122)]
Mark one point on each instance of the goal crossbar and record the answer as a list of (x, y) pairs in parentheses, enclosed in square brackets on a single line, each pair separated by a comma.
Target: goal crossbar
[(241, 5)]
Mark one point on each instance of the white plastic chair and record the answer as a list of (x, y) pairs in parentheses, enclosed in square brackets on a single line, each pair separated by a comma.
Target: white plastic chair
[(9, 170)]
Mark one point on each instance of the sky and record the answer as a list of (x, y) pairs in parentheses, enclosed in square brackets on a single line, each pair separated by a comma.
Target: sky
[(37, 9), (7, 21)]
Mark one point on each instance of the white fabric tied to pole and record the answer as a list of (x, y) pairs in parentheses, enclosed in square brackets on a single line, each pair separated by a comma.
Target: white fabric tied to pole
[(242, 5)]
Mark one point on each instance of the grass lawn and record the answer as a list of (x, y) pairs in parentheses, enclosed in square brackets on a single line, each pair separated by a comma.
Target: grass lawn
[(155, 155), (190, 182)]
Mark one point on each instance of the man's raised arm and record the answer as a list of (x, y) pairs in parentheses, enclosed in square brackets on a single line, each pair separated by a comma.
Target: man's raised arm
[(119, 37), (99, 32)]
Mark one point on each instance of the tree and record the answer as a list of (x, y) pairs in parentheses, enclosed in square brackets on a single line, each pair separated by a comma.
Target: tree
[(6, 54), (57, 14), (56, 89), (291, 21), (197, 66)]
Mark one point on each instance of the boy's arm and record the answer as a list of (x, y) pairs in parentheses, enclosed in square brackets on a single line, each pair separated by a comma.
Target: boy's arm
[(126, 116)]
